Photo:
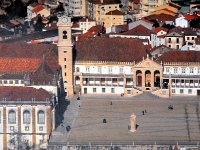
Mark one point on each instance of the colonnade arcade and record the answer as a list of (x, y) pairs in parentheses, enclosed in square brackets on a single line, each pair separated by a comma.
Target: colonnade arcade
[(147, 75)]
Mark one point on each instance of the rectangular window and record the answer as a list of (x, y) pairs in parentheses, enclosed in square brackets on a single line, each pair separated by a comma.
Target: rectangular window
[(87, 69), (188, 38), (11, 82), (191, 70), (121, 69), (167, 70), (99, 69), (177, 40), (177, 46), (40, 128), (26, 128), (181, 91), (112, 90), (189, 91), (12, 128), (65, 66), (173, 90), (175, 70), (192, 38), (183, 70), (128, 91), (65, 74), (103, 90), (169, 40), (198, 70), (65, 51), (0, 81), (65, 59), (5, 82), (94, 90), (109, 69), (16, 81)]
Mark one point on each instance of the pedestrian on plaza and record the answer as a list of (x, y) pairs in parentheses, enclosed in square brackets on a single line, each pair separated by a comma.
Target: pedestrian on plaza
[(143, 112), (111, 103)]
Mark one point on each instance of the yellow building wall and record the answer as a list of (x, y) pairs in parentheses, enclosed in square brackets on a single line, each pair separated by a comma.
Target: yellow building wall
[(101, 10), (110, 20)]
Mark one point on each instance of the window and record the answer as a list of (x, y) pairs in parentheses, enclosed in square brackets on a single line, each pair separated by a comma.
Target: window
[(0, 81), (40, 128), (99, 69), (177, 46), (26, 128), (183, 70), (109, 69), (173, 90), (65, 51), (41, 117), (65, 74), (12, 117), (87, 69), (16, 81), (128, 91), (94, 90), (170, 46), (181, 91), (65, 59), (112, 90), (64, 34), (27, 117), (177, 40), (175, 70), (192, 38), (191, 70), (198, 70), (65, 66), (5, 82), (121, 70), (169, 40), (188, 38), (12, 128), (167, 70), (77, 69), (11, 82), (103, 90), (189, 91)]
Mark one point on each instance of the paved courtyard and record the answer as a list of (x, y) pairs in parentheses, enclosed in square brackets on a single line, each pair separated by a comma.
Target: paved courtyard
[(158, 124)]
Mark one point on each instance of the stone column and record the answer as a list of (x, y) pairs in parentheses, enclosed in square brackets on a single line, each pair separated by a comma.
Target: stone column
[(132, 122), (53, 119), (124, 84), (19, 119), (152, 80), (143, 80), (33, 126), (134, 79)]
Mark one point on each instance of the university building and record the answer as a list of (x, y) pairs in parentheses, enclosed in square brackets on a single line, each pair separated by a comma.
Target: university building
[(103, 65)]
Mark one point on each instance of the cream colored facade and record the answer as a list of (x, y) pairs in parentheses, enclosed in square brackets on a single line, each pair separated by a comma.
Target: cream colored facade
[(110, 20), (148, 6), (97, 11)]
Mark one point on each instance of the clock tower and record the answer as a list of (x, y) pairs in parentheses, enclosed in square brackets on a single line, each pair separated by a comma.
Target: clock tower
[(65, 53)]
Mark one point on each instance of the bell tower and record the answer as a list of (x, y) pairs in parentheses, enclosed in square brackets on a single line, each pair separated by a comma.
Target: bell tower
[(65, 54)]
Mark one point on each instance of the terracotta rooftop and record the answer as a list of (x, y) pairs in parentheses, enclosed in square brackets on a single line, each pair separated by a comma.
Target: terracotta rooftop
[(191, 16), (14, 93), (181, 56), (109, 49), (123, 27), (34, 4), (167, 10), (183, 31), (138, 30), (19, 64), (161, 17), (143, 19), (38, 9), (96, 29), (86, 19), (156, 30), (106, 2), (115, 12)]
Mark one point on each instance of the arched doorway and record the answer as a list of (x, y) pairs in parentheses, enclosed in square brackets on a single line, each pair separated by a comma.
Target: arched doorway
[(147, 78), (157, 78), (139, 78)]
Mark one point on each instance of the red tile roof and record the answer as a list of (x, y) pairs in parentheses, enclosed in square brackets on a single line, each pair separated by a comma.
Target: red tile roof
[(156, 30), (106, 2), (191, 16), (19, 64), (34, 4), (96, 29), (86, 19), (181, 56), (143, 19), (139, 31), (161, 17), (14, 93), (115, 12), (165, 9), (123, 27), (38, 9), (109, 49)]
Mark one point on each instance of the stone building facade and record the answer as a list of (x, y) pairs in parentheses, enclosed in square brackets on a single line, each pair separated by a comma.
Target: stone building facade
[(26, 120)]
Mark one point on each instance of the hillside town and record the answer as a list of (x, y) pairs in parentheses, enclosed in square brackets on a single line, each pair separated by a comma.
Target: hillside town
[(90, 71)]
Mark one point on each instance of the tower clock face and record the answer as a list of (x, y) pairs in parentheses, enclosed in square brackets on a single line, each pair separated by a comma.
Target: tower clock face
[(64, 19)]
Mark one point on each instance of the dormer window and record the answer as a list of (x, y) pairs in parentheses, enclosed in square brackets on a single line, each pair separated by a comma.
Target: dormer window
[(64, 34)]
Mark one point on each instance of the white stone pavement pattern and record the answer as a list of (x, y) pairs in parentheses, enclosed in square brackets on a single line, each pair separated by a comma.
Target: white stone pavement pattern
[(158, 124)]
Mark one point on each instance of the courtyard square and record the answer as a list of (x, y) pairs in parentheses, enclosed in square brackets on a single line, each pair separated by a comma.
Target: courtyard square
[(158, 124)]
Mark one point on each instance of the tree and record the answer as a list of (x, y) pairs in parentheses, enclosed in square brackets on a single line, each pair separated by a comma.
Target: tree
[(39, 24)]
